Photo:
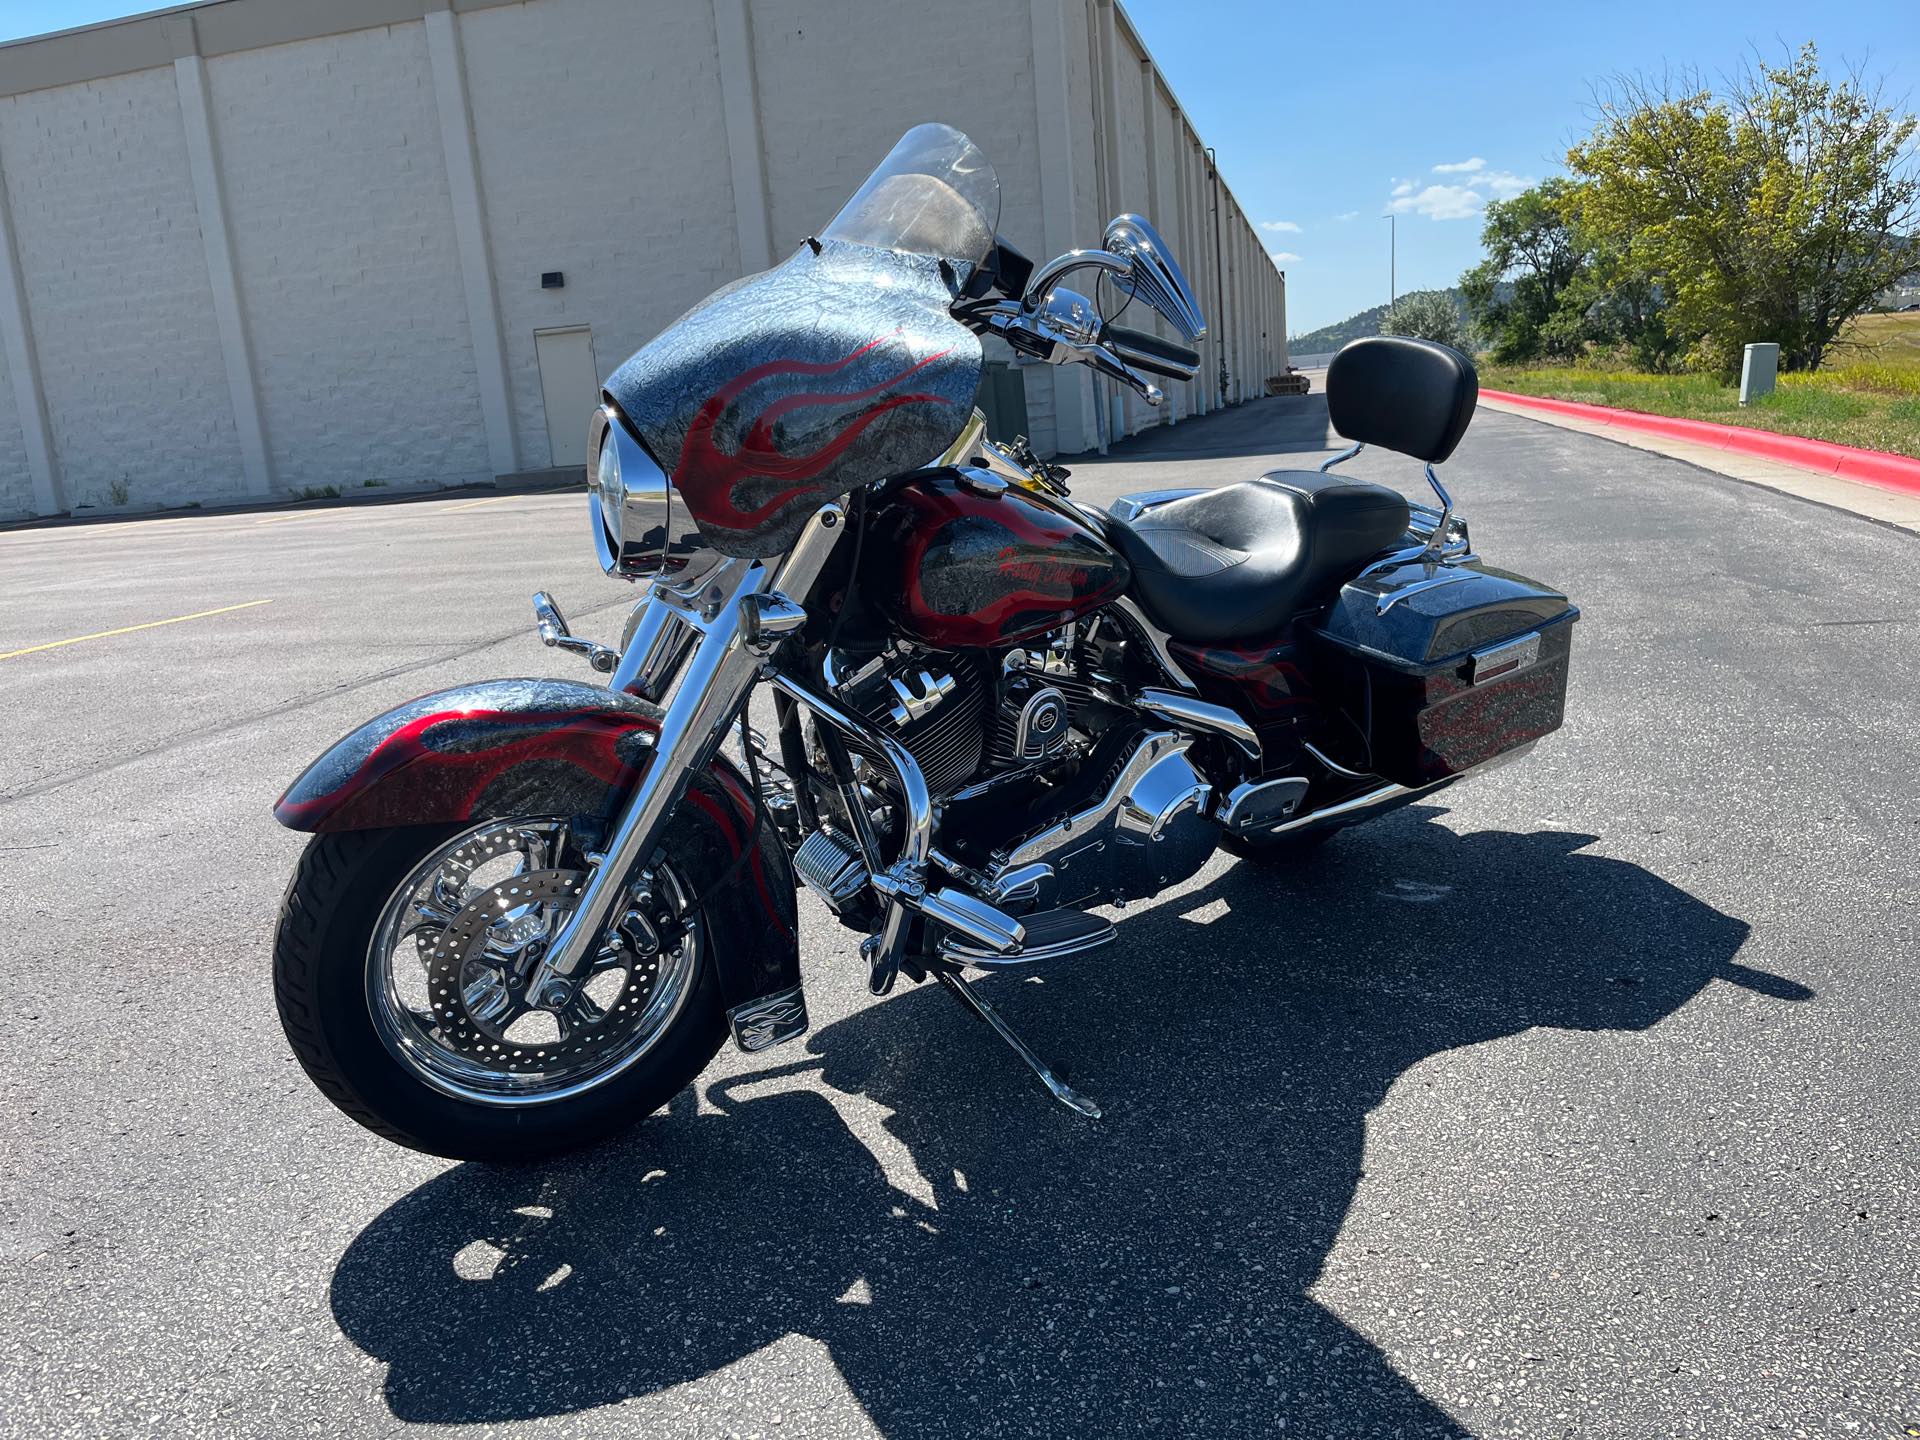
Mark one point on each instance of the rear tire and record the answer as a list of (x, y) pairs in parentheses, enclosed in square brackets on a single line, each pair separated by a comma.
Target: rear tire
[(321, 965)]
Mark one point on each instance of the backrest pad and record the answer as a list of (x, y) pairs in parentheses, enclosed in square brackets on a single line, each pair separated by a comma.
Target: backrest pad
[(1411, 396)]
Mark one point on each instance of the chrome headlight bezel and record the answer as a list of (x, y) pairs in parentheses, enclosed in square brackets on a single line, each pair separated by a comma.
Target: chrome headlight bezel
[(640, 527)]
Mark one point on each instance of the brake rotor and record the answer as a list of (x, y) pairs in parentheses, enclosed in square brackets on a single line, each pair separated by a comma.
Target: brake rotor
[(447, 893), (478, 967)]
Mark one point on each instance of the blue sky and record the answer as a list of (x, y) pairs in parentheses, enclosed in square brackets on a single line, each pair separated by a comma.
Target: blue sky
[(1328, 116), (1321, 112)]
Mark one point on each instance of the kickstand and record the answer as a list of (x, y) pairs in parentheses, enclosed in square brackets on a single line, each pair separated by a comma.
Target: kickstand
[(1062, 1091)]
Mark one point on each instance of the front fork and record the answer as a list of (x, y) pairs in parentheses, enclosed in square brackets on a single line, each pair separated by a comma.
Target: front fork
[(713, 637)]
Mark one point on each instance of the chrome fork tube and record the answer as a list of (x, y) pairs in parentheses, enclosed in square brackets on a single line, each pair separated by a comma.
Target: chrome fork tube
[(719, 672), (654, 650)]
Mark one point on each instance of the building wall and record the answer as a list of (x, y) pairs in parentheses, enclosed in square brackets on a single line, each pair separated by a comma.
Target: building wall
[(109, 244), (342, 229), (379, 316), (603, 155), (818, 69), (1143, 155), (16, 481)]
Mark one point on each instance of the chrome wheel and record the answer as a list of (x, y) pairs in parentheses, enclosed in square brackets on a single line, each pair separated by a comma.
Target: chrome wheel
[(449, 967)]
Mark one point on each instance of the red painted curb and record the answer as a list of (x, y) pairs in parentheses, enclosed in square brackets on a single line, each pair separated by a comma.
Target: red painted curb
[(1847, 462)]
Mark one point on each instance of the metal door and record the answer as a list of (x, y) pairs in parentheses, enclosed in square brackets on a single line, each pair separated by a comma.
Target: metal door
[(570, 385)]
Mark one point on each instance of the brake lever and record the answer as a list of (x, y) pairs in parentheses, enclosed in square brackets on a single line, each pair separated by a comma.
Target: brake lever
[(1060, 335), (1111, 365)]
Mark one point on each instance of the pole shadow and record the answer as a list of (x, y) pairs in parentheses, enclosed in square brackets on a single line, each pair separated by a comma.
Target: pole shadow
[(1143, 1274)]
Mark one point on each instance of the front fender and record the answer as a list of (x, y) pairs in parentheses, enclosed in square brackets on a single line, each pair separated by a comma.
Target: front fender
[(499, 748), (503, 748)]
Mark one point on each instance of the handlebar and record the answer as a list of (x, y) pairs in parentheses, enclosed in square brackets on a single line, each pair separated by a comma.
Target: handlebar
[(1067, 331), (1142, 350), (1063, 327)]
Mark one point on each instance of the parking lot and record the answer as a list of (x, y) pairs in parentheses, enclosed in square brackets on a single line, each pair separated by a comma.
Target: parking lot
[(1578, 1102)]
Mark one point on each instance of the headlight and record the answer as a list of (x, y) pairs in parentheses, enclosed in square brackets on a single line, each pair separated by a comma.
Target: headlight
[(640, 527)]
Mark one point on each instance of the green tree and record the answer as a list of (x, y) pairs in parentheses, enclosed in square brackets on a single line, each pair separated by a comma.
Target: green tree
[(1772, 211), (1534, 257), (1617, 307), (1428, 315)]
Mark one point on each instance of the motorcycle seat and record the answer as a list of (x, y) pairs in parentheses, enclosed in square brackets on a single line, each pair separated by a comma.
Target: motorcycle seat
[(1239, 562)]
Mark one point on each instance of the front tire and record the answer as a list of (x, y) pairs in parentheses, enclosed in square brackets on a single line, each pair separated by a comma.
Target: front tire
[(326, 986)]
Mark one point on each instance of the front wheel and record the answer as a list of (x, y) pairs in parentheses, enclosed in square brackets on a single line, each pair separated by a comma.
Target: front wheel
[(401, 966)]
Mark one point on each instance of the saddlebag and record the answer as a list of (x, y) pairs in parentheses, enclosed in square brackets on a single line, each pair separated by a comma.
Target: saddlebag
[(1442, 668)]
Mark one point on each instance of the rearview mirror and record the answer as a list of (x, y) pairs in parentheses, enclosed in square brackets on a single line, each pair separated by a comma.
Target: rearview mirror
[(1155, 277)]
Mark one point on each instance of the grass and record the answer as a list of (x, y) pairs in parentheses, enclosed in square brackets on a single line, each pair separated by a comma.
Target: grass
[(1867, 394)]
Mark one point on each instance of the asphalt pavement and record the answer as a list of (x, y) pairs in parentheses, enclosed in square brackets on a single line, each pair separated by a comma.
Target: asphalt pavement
[(1579, 1102)]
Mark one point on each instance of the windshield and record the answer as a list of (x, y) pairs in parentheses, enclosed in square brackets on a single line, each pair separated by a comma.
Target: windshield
[(934, 194)]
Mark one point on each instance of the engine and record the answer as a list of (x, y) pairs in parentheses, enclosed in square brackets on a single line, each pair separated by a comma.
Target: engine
[(933, 704), (966, 716), (1037, 766)]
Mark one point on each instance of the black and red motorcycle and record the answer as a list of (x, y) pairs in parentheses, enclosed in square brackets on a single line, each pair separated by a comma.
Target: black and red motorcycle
[(533, 909)]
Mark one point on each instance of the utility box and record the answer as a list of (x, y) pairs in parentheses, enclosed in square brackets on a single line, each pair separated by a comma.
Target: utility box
[(1757, 368)]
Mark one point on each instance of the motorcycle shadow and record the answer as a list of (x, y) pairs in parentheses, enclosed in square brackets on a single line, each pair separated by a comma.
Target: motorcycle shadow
[(1011, 1268)]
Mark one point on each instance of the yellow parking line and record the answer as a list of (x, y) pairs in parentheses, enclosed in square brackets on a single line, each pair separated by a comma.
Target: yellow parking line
[(297, 515), (129, 629), (332, 510)]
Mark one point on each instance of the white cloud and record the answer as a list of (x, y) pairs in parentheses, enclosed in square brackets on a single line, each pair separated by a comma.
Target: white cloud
[(1462, 200), (1280, 227), (1504, 183), (1441, 202), (1281, 257), (1348, 215)]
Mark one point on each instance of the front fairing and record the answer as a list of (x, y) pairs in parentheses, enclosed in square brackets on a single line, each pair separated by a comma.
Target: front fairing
[(836, 368)]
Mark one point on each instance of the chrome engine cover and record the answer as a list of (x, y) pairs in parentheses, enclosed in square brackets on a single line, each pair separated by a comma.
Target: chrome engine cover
[(1149, 830), (1033, 724)]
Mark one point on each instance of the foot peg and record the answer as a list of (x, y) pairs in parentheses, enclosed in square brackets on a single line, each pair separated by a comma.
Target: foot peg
[(1062, 1091), (1050, 935)]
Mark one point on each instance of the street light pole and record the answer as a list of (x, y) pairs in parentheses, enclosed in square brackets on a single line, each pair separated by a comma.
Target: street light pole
[(1393, 259)]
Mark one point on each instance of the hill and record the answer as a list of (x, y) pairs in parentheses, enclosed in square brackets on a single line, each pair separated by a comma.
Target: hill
[(1354, 327)]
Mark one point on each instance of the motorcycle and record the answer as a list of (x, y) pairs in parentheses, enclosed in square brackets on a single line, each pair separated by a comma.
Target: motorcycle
[(533, 910)]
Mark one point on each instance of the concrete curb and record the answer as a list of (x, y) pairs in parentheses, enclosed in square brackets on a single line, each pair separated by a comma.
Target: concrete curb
[(1846, 462)]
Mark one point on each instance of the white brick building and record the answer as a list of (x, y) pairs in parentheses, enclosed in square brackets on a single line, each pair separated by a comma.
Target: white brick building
[(253, 247)]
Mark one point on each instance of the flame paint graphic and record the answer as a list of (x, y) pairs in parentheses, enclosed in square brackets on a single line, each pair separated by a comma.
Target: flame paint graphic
[(409, 778), (708, 476)]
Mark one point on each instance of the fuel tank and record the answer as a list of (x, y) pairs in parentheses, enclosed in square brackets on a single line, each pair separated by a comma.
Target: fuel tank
[(957, 565)]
